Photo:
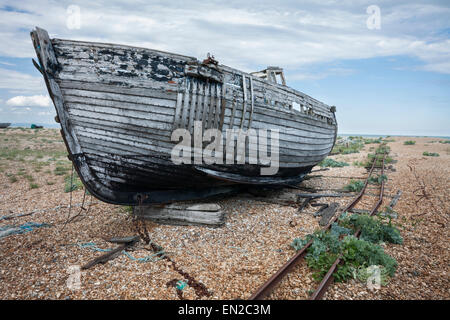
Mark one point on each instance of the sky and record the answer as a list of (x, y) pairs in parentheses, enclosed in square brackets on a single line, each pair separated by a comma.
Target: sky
[(385, 65)]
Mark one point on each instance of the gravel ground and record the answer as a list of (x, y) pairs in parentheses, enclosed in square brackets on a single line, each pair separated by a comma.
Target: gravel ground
[(229, 262)]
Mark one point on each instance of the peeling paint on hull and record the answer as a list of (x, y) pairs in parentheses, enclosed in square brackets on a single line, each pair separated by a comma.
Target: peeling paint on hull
[(118, 106)]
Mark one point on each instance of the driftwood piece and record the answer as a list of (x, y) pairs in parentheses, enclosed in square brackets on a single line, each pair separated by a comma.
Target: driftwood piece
[(395, 199), (123, 240), (308, 177), (12, 216), (389, 209), (359, 211), (111, 254), (328, 213), (282, 197), (304, 204), (319, 212), (322, 195), (210, 214)]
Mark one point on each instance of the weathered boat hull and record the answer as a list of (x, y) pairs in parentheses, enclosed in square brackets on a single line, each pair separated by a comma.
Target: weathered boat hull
[(118, 107)]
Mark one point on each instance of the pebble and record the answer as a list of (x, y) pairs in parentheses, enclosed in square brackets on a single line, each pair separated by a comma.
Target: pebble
[(258, 229)]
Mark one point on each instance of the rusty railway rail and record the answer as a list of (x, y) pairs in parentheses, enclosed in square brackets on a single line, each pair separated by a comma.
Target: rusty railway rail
[(275, 279), (329, 279)]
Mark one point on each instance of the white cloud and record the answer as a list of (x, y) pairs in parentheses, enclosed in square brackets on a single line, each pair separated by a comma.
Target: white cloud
[(7, 63), (29, 101), (332, 71), (21, 82), (247, 35)]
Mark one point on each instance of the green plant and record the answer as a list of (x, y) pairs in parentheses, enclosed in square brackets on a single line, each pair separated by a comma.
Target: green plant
[(364, 273), (76, 183), (361, 253), (356, 254), (324, 250), (34, 186), (60, 170), (379, 160), (409, 142), (328, 162), (128, 209), (373, 229), (388, 160), (347, 147), (369, 141), (358, 163), (377, 179), (430, 154), (12, 178), (354, 186), (383, 149)]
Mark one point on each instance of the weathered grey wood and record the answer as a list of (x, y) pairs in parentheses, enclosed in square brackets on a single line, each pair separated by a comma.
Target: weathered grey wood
[(185, 104), (123, 239), (244, 102), (121, 93), (304, 204), (319, 212), (328, 213), (252, 103), (136, 147), (218, 105), (322, 195), (206, 100), (394, 200), (118, 101), (389, 212), (110, 254), (282, 197), (211, 105), (359, 211), (193, 105), (209, 214)]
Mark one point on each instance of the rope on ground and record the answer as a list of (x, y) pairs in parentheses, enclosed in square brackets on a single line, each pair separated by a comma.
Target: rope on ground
[(70, 201), (70, 219), (24, 228), (150, 258)]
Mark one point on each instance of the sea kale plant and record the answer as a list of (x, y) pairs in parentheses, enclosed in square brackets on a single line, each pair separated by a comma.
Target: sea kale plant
[(357, 255), (354, 186), (328, 162)]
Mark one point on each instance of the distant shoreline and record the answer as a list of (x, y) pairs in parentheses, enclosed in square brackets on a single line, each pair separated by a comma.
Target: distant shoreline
[(365, 135), (389, 135)]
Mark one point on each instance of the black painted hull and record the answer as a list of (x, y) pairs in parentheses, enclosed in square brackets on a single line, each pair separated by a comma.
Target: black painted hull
[(119, 105)]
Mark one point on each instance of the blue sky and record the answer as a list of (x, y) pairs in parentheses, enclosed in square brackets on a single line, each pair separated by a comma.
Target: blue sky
[(390, 80)]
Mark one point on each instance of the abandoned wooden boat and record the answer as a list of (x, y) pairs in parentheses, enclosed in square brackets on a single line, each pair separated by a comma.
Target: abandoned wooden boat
[(4, 125), (118, 107)]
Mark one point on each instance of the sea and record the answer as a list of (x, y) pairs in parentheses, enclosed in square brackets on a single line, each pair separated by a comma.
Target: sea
[(365, 135)]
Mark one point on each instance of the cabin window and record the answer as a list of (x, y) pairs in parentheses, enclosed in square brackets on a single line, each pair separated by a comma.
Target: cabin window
[(296, 106)]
